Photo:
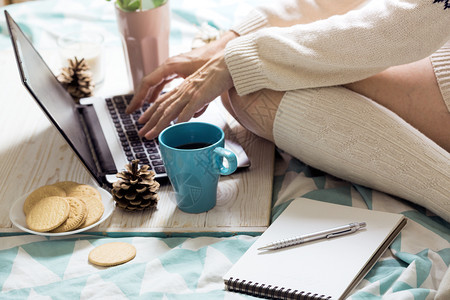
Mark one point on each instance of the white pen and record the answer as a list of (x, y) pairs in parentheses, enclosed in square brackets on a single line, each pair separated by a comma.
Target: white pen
[(324, 234)]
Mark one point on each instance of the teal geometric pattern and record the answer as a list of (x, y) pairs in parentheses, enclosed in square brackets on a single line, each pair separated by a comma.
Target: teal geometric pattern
[(192, 268), (33, 267)]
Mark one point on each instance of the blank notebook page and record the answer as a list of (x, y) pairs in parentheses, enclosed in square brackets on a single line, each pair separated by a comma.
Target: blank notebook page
[(326, 266)]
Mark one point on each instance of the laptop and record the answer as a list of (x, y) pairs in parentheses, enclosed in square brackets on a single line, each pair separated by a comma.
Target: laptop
[(102, 136)]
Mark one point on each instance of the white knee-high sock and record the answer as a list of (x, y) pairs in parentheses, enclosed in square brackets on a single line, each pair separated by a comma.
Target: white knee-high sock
[(352, 137)]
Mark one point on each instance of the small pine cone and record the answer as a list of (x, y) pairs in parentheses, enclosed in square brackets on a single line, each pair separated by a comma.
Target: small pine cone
[(136, 188), (77, 79)]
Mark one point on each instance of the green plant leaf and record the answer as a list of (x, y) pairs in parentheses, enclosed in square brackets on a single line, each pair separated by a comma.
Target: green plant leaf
[(129, 5), (120, 3), (158, 3), (134, 5)]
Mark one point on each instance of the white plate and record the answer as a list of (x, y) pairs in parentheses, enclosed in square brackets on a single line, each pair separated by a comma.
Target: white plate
[(17, 215)]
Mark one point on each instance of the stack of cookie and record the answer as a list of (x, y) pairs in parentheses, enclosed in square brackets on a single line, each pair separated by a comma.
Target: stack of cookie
[(63, 206)]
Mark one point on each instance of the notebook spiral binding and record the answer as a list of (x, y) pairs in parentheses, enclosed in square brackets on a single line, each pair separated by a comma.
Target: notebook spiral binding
[(270, 292)]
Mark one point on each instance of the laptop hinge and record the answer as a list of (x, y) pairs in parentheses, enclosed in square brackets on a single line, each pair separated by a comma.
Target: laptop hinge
[(102, 155)]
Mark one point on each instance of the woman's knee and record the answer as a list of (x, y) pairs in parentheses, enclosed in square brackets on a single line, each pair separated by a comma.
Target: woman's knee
[(255, 111)]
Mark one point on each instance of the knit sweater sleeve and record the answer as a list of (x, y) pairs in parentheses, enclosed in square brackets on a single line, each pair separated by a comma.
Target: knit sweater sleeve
[(284, 13), (339, 49)]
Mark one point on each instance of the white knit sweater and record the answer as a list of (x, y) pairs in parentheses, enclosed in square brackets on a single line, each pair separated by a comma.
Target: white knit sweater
[(329, 43), (332, 128)]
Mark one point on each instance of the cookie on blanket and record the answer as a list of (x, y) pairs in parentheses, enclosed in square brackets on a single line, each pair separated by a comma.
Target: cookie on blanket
[(77, 215), (48, 213), (112, 254), (40, 193)]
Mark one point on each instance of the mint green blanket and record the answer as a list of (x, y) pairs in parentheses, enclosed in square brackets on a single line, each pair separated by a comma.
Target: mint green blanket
[(35, 267)]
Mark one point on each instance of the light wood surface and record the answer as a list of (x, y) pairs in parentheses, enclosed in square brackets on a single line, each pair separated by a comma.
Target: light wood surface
[(32, 154)]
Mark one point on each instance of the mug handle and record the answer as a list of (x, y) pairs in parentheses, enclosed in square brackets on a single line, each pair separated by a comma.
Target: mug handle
[(230, 157)]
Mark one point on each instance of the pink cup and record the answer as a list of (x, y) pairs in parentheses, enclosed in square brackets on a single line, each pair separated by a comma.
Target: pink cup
[(145, 40)]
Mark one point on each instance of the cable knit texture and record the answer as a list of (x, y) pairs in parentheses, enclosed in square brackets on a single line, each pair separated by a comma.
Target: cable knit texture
[(335, 50), (252, 22), (441, 64), (354, 138), (304, 47)]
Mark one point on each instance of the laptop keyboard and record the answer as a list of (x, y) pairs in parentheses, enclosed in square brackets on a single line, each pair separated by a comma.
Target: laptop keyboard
[(135, 147)]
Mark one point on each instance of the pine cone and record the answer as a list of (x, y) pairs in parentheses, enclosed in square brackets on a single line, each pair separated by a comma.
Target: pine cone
[(136, 188), (77, 79)]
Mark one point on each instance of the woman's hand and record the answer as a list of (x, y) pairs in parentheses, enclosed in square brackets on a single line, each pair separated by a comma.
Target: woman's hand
[(189, 99), (182, 65)]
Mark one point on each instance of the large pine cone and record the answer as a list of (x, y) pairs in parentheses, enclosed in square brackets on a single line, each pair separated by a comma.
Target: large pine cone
[(77, 79), (136, 188)]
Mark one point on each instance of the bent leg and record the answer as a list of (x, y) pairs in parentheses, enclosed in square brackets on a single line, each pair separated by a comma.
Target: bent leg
[(352, 137), (255, 111), (412, 92)]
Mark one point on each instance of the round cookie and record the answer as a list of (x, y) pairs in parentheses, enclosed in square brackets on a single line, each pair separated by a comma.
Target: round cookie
[(77, 215), (95, 210), (84, 217), (91, 196), (48, 213), (66, 185), (40, 193), (112, 254), (82, 190)]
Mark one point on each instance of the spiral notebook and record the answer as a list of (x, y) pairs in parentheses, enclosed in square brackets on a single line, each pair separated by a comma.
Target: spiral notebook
[(322, 269)]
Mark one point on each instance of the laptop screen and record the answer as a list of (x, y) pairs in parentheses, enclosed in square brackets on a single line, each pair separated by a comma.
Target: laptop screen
[(51, 96)]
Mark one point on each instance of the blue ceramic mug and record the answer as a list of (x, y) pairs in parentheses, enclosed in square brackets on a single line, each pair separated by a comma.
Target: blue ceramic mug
[(193, 154)]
